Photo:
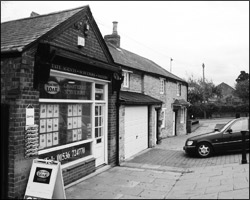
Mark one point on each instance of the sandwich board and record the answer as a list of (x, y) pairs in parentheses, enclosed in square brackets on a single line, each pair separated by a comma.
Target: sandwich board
[(45, 180)]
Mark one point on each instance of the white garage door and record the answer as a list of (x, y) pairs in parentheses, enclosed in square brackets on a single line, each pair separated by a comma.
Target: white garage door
[(136, 130)]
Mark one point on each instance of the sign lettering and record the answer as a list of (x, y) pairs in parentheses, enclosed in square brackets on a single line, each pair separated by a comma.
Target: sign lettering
[(74, 69), (68, 154)]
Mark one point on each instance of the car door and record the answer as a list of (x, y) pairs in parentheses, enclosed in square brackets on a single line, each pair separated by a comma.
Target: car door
[(232, 138)]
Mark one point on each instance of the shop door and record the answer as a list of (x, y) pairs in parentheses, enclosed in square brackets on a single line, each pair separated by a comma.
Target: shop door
[(136, 130), (99, 142)]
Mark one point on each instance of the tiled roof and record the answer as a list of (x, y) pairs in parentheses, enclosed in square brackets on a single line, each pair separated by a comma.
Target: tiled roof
[(137, 99), (129, 59), (181, 102), (17, 34)]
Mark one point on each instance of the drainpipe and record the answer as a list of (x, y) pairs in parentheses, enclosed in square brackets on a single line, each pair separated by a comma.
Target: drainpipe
[(157, 126), (117, 128)]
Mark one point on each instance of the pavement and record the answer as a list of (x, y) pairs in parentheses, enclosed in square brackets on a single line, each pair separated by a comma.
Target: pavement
[(166, 172)]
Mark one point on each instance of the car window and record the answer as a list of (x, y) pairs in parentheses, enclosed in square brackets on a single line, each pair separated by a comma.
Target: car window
[(240, 125)]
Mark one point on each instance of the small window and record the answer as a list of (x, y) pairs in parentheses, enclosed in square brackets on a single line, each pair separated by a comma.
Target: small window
[(162, 86), (163, 118), (126, 79), (178, 89)]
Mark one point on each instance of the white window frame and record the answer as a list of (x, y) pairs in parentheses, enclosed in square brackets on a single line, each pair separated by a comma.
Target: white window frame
[(92, 101), (178, 86), (126, 75), (163, 117), (162, 86)]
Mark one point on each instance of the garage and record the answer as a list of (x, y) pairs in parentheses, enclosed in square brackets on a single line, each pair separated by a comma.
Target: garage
[(136, 130)]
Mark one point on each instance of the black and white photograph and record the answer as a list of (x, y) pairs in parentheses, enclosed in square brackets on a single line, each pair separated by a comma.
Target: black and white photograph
[(129, 99)]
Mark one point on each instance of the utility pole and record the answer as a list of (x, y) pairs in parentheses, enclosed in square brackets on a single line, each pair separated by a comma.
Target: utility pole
[(171, 59), (204, 98)]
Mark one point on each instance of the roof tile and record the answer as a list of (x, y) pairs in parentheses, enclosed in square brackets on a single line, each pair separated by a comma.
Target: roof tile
[(129, 59), (19, 33)]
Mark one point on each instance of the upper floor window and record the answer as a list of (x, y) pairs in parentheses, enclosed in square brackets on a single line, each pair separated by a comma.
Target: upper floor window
[(125, 83), (162, 86), (178, 89)]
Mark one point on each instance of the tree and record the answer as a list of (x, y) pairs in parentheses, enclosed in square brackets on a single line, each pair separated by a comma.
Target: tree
[(201, 92), (242, 77), (242, 90)]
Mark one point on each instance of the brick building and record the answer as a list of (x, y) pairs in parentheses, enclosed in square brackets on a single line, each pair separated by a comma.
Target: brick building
[(153, 101), (58, 66)]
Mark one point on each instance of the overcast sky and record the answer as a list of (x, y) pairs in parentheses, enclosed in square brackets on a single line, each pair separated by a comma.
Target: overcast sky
[(215, 33)]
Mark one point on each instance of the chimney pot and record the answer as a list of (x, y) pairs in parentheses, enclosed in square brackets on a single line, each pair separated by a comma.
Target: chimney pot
[(114, 38), (115, 27)]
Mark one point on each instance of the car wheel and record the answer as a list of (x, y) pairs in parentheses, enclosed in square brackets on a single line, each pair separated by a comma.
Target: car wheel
[(204, 150)]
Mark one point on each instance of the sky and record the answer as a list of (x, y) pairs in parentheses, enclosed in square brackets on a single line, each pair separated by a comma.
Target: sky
[(215, 33)]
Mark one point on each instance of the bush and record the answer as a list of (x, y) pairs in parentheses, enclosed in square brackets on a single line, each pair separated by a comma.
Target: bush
[(197, 110)]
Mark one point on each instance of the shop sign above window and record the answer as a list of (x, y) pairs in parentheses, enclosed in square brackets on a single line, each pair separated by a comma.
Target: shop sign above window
[(78, 70)]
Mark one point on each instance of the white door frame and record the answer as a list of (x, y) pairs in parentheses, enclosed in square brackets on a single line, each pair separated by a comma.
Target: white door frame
[(174, 123), (155, 127)]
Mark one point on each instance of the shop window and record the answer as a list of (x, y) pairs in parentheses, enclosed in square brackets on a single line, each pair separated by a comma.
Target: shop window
[(67, 123), (64, 88), (99, 92), (64, 123)]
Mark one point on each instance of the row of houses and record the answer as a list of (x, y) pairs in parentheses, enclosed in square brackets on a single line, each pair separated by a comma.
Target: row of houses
[(94, 103)]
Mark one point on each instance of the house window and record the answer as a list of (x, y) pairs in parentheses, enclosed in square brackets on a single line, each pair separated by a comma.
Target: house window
[(178, 89), (163, 117), (162, 86), (126, 79), (183, 115)]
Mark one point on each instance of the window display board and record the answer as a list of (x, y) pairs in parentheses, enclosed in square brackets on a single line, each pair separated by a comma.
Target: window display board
[(45, 180)]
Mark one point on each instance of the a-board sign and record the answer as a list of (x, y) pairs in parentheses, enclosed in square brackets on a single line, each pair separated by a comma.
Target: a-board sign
[(45, 180)]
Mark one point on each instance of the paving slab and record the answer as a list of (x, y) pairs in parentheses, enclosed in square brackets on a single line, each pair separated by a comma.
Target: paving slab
[(170, 174)]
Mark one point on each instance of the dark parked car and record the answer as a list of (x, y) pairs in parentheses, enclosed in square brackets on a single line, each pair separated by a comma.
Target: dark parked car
[(225, 138)]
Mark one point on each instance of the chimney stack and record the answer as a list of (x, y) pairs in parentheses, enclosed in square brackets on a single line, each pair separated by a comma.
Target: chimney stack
[(114, 38)]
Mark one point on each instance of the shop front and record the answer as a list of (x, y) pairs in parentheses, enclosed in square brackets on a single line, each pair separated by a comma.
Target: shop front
[(73, 118), (61, 86)]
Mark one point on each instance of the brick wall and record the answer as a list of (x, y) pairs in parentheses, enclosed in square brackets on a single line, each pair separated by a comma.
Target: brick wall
[(17, 91), (121, 132), (112, 153), (150, 85), (75, 173), (171, 94), (135, 83)]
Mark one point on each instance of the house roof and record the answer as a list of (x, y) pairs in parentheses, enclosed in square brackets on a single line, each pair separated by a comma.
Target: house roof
[(134, 61), (181, 102), (133, 98), (17, 34)]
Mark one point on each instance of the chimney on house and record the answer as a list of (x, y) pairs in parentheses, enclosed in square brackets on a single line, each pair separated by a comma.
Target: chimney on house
[(33, 14), (114, 38)]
